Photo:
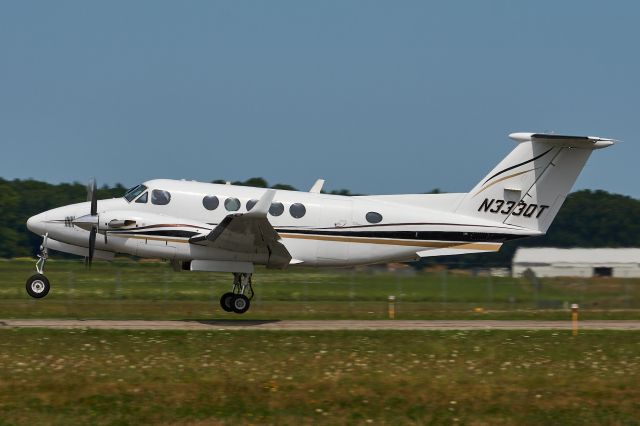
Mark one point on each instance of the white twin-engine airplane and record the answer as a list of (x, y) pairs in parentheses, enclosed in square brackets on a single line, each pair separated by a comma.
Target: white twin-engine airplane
[(226, 228)]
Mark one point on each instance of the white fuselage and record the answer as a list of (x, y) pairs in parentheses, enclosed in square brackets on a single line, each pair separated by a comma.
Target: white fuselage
[(334, 230)]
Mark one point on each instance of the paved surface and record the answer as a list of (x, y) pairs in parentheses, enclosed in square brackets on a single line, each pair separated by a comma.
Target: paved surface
[(316, 325)]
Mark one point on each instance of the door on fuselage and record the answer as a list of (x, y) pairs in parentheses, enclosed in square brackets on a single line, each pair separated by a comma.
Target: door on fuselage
[(332, 248)]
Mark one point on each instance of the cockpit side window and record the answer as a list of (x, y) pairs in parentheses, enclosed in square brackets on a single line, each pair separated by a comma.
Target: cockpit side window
[(143, 198), (131, 194), (160, 197)]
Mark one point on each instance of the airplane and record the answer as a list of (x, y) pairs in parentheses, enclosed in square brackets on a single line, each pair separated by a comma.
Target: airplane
[(226, 228)]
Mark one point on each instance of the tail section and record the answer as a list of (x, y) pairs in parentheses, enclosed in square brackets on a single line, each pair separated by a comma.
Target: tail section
[(528, 187)]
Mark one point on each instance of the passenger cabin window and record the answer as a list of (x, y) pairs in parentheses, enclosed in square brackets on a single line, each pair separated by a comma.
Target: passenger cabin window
[(160, 197), (143, 198), (297, 210), (373, 217), (232, 204), (251, 204), (276, 209), (131, 194), (210, 202)]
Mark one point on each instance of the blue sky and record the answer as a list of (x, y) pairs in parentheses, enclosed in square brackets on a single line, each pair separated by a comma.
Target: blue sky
[(377, 97)]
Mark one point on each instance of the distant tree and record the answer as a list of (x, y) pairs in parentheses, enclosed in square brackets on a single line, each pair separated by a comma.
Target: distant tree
[(257, 182), (340, 192), (587, 219), (594, 219), (20, 199), (284, 186)]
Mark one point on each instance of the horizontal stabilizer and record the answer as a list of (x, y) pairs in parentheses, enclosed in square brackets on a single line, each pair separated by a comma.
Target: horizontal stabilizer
[(585, 142)]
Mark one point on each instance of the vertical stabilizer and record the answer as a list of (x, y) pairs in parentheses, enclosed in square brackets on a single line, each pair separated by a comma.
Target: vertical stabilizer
[(528, 187)]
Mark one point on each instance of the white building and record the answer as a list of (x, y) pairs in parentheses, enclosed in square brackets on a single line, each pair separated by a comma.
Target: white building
[(577, 262)]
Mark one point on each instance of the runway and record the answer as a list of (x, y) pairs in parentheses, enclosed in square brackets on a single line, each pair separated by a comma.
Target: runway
[(315, 325)]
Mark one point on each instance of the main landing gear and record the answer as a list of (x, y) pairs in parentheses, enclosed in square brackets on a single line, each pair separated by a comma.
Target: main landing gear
[(238, 299), (38, 285)]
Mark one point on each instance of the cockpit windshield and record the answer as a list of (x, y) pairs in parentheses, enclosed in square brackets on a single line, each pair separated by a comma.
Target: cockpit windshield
[(131, 194)]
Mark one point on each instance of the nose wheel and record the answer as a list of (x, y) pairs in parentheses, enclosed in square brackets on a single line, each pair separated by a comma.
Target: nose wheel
[(238, 300), (38, 285)]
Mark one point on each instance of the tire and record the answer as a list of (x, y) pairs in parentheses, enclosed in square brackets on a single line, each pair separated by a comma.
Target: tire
[(240, 304), (226, 302), (38, 286)]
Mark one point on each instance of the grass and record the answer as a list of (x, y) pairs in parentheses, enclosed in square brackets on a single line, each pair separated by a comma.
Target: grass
[(126, 289), (383, 377), (97, 377)]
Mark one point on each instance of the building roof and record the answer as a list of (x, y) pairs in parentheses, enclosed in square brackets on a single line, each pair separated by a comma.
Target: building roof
[(595, 256)]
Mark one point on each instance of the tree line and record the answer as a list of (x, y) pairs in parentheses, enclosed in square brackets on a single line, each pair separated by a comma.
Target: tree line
[(587, 219)]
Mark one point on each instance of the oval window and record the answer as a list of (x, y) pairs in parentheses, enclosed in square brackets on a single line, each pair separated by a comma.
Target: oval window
[(210, 202), (160, 197), (232, 204), (251, 204), (297, 210), (276, 209), (373, 217)]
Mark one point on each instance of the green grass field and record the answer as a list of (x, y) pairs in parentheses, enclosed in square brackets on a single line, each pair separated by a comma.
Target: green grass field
[(258, 377), (127, 289), (276, 377)]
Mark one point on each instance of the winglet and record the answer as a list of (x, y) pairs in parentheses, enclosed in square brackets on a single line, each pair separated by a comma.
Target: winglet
[(264, 203), (317, 187)]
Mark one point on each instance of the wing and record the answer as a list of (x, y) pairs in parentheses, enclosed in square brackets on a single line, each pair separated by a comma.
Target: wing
[(249, 233)]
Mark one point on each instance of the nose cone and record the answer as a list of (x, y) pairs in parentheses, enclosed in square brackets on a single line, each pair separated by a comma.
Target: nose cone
[(37, 224)]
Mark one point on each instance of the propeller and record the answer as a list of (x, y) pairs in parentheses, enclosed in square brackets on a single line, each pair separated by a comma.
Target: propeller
[(92, 196), (90, 222)]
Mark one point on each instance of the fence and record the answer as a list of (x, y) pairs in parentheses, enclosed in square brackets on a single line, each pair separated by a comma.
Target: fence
[(154, 290)]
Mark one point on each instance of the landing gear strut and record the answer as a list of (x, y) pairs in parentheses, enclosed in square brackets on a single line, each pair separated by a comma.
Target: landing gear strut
[(38, 285), (238, 299)]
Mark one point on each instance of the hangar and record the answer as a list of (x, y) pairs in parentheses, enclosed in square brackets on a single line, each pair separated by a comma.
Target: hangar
[(577, 262)]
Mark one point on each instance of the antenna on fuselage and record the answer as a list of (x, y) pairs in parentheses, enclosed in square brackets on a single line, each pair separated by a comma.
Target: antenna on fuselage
[(317, 187)]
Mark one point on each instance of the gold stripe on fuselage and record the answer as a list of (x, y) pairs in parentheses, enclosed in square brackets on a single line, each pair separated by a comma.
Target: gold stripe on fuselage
[(395, 242)]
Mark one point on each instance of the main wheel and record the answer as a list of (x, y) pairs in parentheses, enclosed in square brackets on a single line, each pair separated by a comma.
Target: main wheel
[(240, 304), (38, 286), (226, 301)]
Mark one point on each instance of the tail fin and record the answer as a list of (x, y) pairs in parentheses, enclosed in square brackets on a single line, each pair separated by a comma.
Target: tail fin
[(528, 187)]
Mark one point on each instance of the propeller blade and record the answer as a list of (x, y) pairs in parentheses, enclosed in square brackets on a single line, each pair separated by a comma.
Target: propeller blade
[(92, 191), (92, 244), (89, 191)]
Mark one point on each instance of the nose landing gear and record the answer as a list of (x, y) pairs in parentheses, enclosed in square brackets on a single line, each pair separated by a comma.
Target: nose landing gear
[(38, 285), (238, 300)]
